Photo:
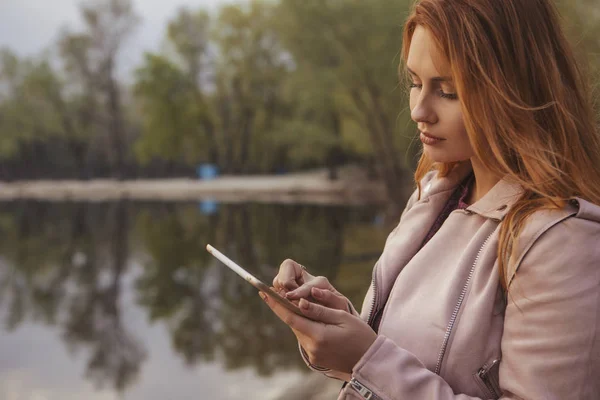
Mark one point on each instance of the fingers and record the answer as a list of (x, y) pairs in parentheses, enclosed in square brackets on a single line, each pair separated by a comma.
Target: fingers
[(319, 313), (291, 276), (300, 325), (319, 289), (329, 299), (305, 290), (302, 292), (283, 293)]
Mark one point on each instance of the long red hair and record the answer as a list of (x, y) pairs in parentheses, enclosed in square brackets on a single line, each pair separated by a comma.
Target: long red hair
[(526, 104)]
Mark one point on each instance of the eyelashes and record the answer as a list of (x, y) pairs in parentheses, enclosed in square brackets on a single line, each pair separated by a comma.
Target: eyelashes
[(451, 96), (440, 92)]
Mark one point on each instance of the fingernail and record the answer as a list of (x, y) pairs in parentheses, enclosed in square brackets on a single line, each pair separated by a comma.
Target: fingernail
[(304, 304), (263, 296), (290, 294), (316, 293)]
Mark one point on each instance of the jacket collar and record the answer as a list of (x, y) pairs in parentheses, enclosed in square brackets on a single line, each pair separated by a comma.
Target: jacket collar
[(495, 204)]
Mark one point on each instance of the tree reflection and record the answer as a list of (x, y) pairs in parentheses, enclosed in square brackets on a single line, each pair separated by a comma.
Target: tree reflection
[(95, 318), (211, 312), (171, 284), (69, 265), (65, 265)]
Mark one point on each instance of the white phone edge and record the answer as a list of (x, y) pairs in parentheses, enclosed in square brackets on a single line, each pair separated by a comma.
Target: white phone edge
[(231, 264), (250, 278)]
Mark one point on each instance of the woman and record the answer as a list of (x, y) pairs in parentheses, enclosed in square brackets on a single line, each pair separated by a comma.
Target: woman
[(489, 287)]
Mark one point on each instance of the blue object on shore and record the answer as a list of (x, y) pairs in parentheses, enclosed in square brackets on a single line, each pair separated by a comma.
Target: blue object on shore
[(207, 171), (209, 207)]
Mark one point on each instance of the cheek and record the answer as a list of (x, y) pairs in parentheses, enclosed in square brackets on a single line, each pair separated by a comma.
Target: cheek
[(455, 124), (457, 132), (458, 146)]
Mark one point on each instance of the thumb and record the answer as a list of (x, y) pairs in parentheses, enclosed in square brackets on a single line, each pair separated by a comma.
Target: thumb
[(320, 313)]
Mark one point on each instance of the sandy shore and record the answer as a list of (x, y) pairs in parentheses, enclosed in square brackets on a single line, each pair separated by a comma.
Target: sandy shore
[(312, 187)]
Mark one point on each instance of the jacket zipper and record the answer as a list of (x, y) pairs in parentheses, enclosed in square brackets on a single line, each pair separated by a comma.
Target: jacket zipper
[(374, 302), (484, 377), (365, 392), (461, 298)]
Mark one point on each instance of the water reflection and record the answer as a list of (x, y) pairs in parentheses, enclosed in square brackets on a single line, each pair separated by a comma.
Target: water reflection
[(71, 267)]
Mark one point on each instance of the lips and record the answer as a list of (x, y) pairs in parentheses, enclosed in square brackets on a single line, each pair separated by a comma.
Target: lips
[(428, 140), (431, 136)]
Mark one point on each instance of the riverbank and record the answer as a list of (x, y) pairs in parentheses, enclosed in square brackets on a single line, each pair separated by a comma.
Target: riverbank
[(352, 187)]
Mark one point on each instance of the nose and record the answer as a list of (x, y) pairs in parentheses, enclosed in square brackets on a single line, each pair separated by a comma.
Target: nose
[(422, 111)]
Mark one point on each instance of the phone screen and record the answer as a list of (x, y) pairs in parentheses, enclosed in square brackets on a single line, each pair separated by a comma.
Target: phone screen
[(257, 283)]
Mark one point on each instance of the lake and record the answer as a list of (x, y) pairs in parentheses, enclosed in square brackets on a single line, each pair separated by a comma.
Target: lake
[(120, 300)]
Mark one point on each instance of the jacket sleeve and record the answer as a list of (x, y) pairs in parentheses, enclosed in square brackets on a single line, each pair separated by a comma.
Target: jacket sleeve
[(551, 339)]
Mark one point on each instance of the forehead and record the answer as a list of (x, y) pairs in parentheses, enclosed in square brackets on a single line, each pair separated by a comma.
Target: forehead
[(424, 57)]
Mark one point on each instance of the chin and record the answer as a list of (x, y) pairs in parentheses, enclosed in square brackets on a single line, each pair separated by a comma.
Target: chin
[(441, 156)]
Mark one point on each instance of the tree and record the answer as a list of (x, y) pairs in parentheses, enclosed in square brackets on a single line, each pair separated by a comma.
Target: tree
[(219, 98), (312, 132), (176, 113), (254, 88), (189, 33), (582, 21), (92, 57), (354, 43), (16, 121), (169, 113), (38, 109), (251, 69)]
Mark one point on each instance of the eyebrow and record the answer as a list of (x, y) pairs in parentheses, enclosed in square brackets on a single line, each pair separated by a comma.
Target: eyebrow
[(434, 79)]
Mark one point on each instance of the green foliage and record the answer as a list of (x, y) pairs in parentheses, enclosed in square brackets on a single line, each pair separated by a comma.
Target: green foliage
[(168, 110), (354, 45), (176, 115), (254, 87), (582, 22), (31, 108), (189, 35), (305, 141), (250, 73)]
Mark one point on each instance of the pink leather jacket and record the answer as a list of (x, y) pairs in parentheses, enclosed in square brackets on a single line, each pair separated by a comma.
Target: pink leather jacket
[(447, 331)]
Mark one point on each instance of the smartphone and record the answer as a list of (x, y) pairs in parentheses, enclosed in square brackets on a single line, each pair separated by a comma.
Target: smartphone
[(266, 289)]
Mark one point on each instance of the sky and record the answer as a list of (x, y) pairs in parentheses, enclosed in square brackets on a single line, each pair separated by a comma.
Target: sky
[(30, 26)]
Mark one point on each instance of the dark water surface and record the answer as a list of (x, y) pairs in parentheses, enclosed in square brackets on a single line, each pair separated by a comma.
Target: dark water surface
[(122, 301)]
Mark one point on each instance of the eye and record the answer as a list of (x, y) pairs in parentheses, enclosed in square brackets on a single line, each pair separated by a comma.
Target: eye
[(450, 96), (415, 85)]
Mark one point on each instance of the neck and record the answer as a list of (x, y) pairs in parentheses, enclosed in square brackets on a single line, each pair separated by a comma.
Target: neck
[(484, 181)]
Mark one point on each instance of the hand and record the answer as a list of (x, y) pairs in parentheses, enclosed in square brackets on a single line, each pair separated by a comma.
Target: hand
[(296, 283), (332, 339), (291, 276)]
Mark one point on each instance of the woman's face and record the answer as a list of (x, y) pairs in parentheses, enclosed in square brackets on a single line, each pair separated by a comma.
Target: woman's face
[(434, 104)]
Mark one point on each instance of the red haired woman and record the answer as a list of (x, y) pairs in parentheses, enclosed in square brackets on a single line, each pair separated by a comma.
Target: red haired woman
[(489, 287)]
